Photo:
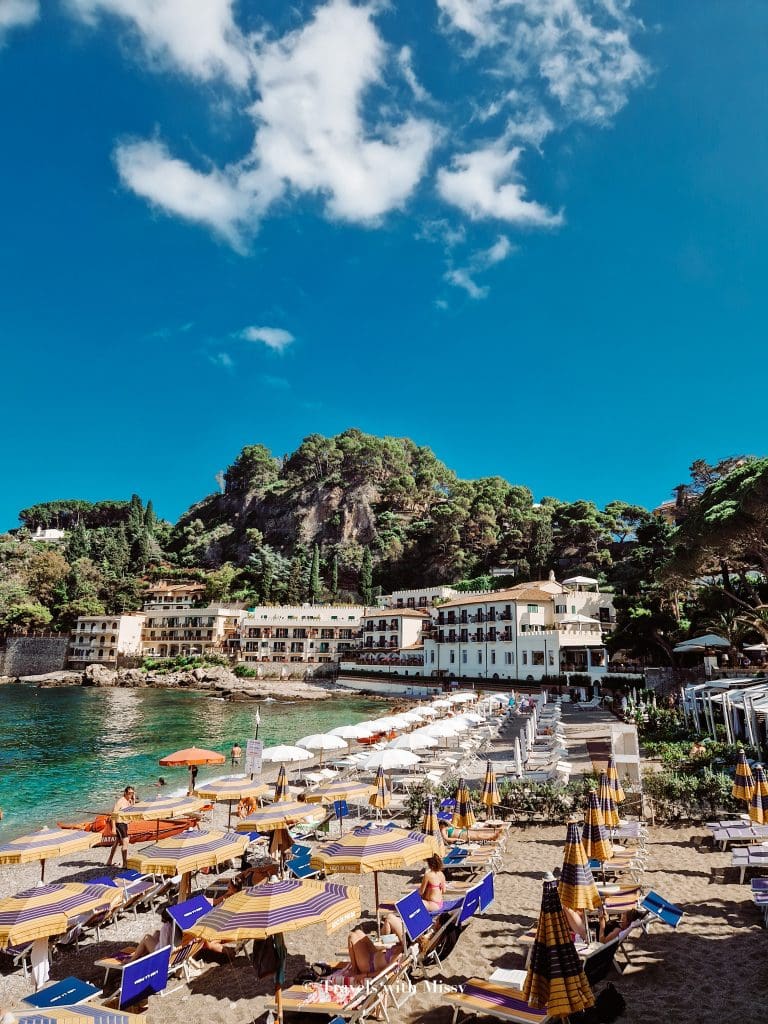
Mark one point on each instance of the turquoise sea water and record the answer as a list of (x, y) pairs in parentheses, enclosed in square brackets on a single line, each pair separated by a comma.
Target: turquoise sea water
[(66, 753)]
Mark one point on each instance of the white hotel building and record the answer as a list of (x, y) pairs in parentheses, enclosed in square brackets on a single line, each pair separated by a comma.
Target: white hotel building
[(302, 634), (538, 629)]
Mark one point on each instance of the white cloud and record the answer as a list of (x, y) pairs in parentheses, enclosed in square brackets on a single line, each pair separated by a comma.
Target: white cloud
[(198, 36), (273, 337), (499, 251), (405, 61), (211, 198), (17, 14), (461, 278), (311, 132), (485, 184), (223, 360), (581, 49), (275, 383)]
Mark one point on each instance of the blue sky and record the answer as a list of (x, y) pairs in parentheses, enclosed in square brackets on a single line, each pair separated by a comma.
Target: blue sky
[(530, 235)]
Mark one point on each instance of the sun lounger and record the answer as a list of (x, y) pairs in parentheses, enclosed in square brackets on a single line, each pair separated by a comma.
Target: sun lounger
[(587, 705), (491, 999), (67, 992), (19, 956), (178, 959), (662, 909), (744, 857), (760, 896)]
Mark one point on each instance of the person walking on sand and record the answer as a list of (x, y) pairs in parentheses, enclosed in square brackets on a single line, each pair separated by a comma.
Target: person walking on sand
[(121, 825), (236, 753)]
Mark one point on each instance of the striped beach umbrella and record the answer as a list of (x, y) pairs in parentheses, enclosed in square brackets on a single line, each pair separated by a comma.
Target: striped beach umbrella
[(46, 843), (352, 791), (463, 815), (382, 796), (279, 815), (50, 909), (577, 886), (231, 788), (170, 807), (281, 786), (83, 1013), (743, 781), (611, 771), (555, 980), (374, 848), (189, 851), (597, 843), (758, 804), (490, 794), (274, 908), (430, 826), (607, 804)]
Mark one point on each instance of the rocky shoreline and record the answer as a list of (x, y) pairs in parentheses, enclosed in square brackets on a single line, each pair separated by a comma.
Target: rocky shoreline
[(212, 679)]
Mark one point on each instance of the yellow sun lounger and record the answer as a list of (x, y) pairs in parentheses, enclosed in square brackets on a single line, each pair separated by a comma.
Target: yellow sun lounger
[(493, 1000)]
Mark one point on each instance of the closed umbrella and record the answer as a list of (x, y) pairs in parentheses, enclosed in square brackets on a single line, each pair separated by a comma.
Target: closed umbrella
[(382, 797), (51, 909), (607, 805), (490, 794), (281, 786), (758, 804), (463, 815), (577, 885), (518, 757), (46, 843), (555, 980), (430, 826), (613, 777), (597, 843), (743, 781), (274, 908)]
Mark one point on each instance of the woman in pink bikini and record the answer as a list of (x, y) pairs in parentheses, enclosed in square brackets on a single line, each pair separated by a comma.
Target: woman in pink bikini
[(432, 888)]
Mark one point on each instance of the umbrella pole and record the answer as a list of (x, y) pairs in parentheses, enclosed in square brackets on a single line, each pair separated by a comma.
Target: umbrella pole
[(42, 870), (279, 1001), (376, 900)]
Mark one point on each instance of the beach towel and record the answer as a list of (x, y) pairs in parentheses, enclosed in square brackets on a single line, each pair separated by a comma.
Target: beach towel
[(40, 966)]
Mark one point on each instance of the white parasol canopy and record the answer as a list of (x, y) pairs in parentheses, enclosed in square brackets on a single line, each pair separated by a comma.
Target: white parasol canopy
[(387, 759), (283, 754)]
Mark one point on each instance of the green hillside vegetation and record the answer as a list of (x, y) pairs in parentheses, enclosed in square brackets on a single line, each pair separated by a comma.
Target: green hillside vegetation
[(350, 516)]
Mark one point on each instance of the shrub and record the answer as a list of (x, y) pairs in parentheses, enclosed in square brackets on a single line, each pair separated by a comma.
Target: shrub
[(681, 797), (245, 671)]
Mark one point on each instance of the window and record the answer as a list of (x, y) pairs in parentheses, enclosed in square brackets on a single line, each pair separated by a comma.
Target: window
[(507, 657), (453, 657), (551, 658), (525, 657), (561, 609), (533, 607), (479, 657), (432, 657), (537, 658), (464, 657), (573, 609), (493, 657)]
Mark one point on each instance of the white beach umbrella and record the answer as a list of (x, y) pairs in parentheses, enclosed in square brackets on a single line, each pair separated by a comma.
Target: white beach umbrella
[(322, 741), (360, 730), (473, 718), (426, 712), (417, 740), (441, 704), (445, 727), (462, 698), (411, 717), (388, 759), (386, 723), (284, 754), (530, 732)]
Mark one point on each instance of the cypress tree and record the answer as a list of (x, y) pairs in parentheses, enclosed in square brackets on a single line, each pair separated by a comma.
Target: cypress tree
[(314, 575), (335, 575), (366, 577)]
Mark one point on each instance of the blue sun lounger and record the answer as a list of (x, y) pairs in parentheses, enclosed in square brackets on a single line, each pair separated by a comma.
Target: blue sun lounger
[(662, 909)]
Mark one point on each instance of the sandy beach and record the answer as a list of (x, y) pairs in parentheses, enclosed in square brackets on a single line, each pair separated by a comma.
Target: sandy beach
[(710, 968)]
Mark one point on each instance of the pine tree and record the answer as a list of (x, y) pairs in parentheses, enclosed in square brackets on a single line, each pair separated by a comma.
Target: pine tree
[(295, 591), (366, 577), (78, 542), (314, 576), (150, 519), (135, 524), (335, 575)]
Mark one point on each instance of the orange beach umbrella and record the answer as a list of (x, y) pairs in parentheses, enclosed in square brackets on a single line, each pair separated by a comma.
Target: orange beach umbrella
[(191, 756)]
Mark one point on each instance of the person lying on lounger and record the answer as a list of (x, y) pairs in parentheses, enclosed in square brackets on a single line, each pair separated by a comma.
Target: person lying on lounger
[(450, 834)]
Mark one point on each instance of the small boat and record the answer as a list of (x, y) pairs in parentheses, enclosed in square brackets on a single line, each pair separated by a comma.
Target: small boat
[(377, 737), (138, 831)]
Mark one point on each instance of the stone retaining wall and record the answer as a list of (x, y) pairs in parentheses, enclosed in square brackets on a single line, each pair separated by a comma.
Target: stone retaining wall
[(33, 655)]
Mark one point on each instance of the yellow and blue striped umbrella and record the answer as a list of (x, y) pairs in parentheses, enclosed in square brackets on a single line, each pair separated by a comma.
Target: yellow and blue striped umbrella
[(758, 804), (463, 815), (597, 844), (577, 886), (281, 786), (743, 781), (80, 1014), (279, 815), (555, 980), (430, 826), (611, 771), (48, 842), (171, 807), (607, 804), (196, 848), (231, 789), (278, 907), (374, 848), (48, 909), (353, 791), (382, 796), (490, 795)]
